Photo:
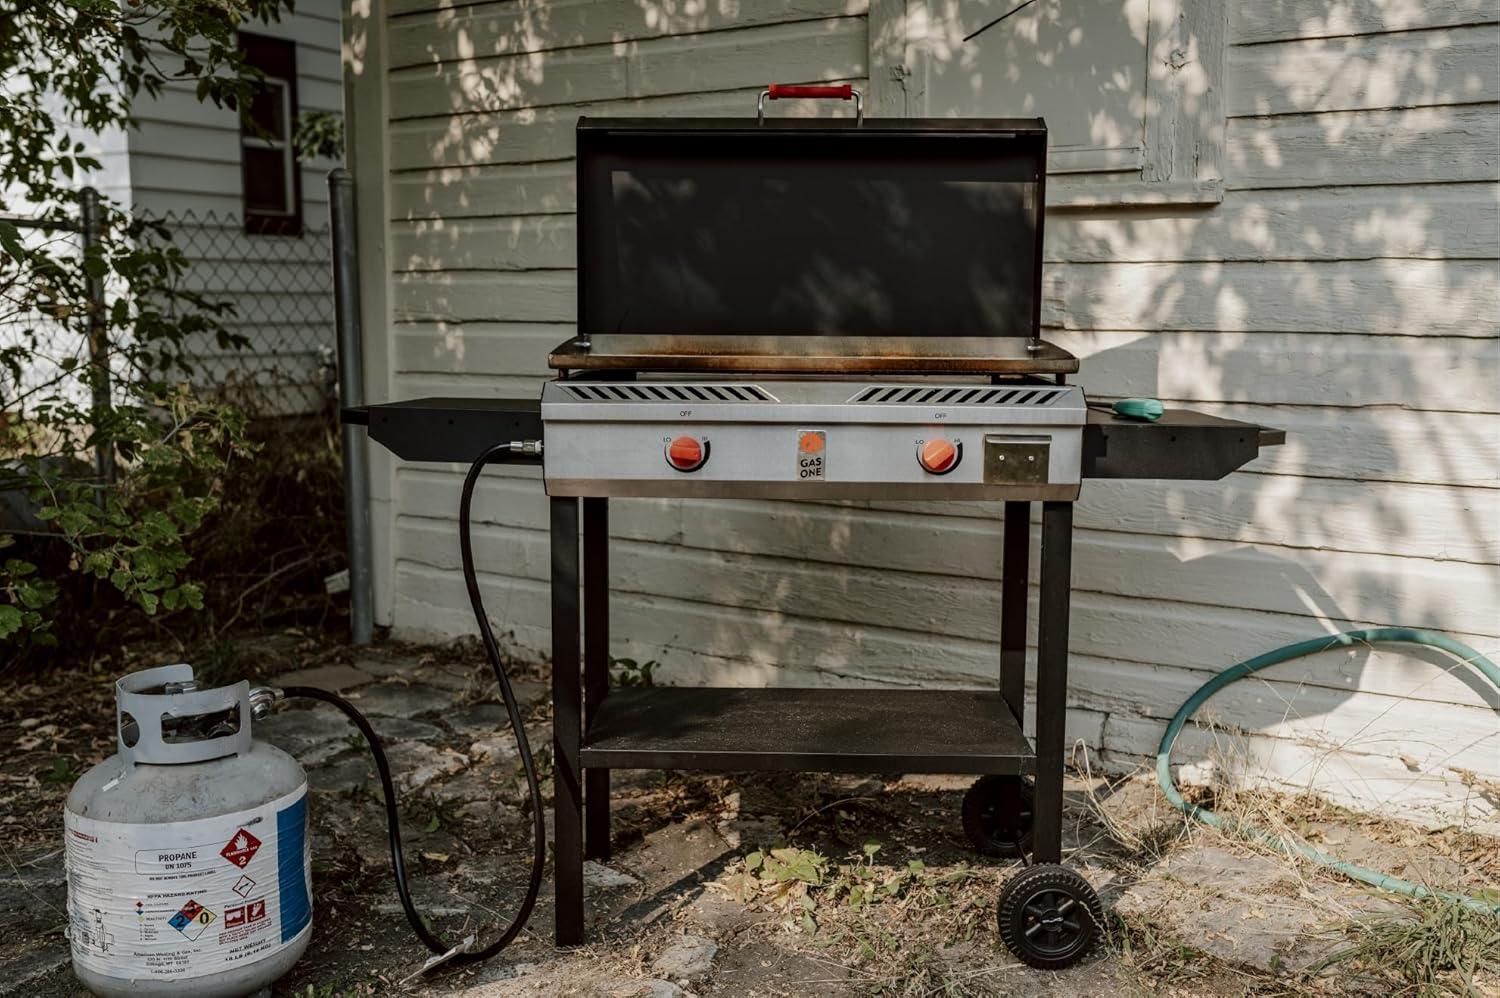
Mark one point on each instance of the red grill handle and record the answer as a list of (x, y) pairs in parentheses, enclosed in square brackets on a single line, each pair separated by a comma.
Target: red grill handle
[(839, 91), (816, 91)]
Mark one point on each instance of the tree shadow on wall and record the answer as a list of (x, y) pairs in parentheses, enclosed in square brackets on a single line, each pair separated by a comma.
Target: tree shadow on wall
[(1334, 292)]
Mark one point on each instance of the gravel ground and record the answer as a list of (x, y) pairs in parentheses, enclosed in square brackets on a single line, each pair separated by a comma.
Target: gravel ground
[(873, 888)]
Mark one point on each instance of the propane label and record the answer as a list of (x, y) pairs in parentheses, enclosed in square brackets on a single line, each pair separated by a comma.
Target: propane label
[(178, 901)]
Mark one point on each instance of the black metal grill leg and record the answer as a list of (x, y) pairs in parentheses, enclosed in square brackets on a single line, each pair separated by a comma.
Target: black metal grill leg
[(1014, 568), (567, 709), (595, 667), (1052, 677)]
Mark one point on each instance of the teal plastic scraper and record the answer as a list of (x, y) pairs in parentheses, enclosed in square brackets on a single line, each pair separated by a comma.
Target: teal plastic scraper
[(1149, 410)]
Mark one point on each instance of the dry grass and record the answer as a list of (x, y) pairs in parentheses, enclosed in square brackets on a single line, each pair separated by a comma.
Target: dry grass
[(1426, 946), (1140, 845), (885, 924), (914, 917)]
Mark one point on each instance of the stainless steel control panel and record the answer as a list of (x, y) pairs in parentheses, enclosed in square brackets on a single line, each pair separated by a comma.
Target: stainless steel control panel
[(790, 439)]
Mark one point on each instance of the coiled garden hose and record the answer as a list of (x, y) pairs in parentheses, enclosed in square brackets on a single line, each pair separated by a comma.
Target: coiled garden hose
[(1377, 635)]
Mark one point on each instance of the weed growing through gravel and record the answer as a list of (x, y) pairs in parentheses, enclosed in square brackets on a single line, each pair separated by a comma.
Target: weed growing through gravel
[(1431, 945), (1152, 961), (865, 910)]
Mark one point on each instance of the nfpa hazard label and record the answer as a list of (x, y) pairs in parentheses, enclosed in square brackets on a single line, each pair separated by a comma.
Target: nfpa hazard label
[(240, 849)]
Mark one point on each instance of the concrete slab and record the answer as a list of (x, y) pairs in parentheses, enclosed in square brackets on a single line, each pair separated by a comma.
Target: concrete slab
[(391, 699), (333, 678), (1245, 908), (415, 765), (686, 959), (344, 776), (597, 876), (295, 730), (386, 666)]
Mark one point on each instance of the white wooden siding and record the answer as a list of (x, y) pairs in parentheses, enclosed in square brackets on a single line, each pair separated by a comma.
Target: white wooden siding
[(185, 165), (183, 146), (1347, 288)]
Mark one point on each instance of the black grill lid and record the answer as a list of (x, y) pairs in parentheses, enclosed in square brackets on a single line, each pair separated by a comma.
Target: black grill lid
[(928, 228)]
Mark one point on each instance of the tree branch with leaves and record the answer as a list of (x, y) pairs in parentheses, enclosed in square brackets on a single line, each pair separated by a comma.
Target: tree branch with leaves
[(71, 71)]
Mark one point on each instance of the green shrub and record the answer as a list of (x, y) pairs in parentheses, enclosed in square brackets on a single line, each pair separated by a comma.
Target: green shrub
[(84, 372)]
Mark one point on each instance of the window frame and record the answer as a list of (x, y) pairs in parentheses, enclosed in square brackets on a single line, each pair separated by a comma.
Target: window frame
[(276, 58), (1184, 116)]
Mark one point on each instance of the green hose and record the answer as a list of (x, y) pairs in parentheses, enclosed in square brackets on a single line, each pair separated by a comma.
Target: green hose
[(1378, 635)]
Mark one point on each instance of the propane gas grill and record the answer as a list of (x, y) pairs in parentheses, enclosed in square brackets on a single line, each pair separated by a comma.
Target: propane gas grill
[(815, 309)]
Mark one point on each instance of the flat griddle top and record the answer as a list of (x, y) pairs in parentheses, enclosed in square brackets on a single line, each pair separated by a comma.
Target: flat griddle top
[(814, 355)]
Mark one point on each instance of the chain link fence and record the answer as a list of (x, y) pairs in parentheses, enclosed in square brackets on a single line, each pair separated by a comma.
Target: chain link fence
[(38, 347), (281, 289), (31, 325), (69, 349)]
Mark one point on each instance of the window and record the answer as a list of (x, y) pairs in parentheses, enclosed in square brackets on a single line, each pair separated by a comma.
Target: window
[(271, 182), (1130, 88)]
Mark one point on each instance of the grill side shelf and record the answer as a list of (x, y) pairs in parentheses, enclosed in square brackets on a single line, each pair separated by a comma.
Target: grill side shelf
[(1181, 445), (451, 429)]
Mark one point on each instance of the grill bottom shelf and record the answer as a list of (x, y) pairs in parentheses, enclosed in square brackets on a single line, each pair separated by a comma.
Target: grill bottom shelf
[(822, 730)]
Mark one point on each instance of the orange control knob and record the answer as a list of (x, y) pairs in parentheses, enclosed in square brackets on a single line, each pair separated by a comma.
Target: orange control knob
[(938, 456), (687, 453)]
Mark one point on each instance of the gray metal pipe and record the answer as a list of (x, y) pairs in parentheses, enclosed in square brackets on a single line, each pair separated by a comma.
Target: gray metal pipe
[(352, 393)]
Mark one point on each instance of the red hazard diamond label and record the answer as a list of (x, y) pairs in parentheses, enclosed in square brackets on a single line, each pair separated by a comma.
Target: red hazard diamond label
[(241, 849)]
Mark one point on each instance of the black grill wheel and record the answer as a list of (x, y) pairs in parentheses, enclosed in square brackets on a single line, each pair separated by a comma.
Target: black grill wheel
[(1050, 917), (997, 815)]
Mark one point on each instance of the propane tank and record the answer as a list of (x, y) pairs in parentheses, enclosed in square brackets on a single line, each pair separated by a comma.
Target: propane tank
[(189, 866)]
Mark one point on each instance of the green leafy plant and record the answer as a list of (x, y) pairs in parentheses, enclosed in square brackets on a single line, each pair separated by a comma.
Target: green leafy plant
[(319, 135), (28, 595), (629, 672), (99, 330), (62, 772), (799, 881)]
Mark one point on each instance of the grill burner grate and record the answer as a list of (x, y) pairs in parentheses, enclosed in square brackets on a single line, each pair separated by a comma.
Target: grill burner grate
[(669, 393), (960, 395), (869, 395)]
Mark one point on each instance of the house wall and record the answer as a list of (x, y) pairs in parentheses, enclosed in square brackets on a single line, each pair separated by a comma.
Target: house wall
[(185, 165), (181, 162), (185, 154), (1344, 288)]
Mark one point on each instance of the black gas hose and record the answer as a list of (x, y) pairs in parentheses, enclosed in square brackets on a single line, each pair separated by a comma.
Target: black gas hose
[(492, 650)]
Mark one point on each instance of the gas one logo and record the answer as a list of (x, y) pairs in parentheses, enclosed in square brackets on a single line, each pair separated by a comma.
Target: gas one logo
[(812, 446), (241, 848)]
